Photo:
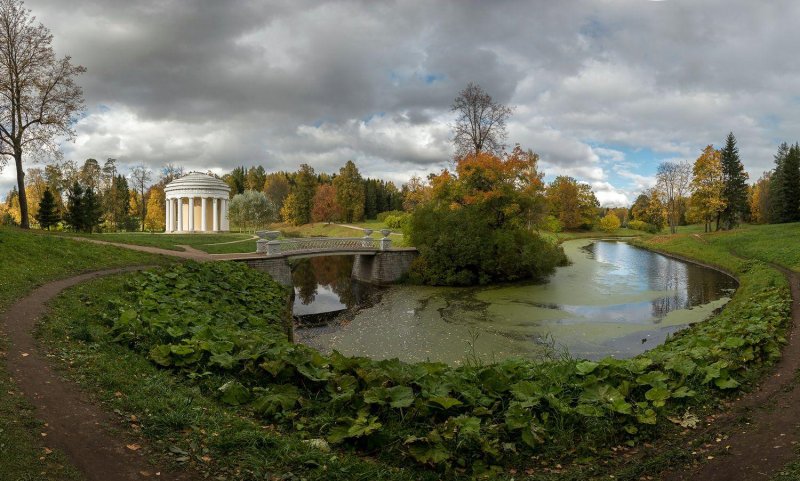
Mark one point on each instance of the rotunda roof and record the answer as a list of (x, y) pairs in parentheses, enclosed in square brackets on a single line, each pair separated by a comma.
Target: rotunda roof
[(196, 181)]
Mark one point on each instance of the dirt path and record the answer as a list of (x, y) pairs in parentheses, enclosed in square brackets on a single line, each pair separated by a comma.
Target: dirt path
[(73, 424), (759, 435)]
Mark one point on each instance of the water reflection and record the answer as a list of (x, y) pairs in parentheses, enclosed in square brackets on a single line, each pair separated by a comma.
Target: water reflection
[(614, 300), (323, 285)]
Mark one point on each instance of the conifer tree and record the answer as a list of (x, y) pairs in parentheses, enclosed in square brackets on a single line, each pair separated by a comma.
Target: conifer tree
[(790, 185), (92, 211), (74, 216), (777, 200), (48, 211), (734, 192)]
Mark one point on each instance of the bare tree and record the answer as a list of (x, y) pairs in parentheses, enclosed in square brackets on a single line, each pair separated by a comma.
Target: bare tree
[(39, 99), (673, 183), (480, 124), (140, 179)]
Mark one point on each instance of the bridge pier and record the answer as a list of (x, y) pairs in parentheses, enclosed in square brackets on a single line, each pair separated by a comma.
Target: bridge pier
[(384, 267), (277, 267)]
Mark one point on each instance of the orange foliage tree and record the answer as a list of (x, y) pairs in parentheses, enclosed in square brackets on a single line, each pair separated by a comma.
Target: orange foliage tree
[(325, 208)]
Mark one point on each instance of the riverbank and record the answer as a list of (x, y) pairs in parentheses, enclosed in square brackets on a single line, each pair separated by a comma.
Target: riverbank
[(84, 341)]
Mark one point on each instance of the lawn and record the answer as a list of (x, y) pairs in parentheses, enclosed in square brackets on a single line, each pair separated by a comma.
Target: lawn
[(29, 260)]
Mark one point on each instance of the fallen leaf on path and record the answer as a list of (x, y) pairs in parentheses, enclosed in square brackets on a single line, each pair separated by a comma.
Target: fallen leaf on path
[(25, 354), (133, 447)]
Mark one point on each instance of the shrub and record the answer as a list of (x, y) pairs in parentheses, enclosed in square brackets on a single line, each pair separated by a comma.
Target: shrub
[(383, 215), (461, 247), (643, 226), (609, 223), (397, 221), (551, 224)]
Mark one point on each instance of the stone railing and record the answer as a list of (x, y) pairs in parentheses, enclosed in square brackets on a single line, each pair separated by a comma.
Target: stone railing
[(316, 244)]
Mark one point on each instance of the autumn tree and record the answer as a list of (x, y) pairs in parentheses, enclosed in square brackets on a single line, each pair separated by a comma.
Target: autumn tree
[(759, 199), (326, 208), (415, 192), (154, 220), (673, 180), (140, 180), (40, 100), (609, 223), (480, 124), (304, 189), (708, 184), (277, 187), (255, 178), (571, 202), (350, 192), (734, 191)]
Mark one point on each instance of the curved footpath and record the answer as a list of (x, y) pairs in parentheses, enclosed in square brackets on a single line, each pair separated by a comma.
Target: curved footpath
[(759, 434), (72, 423)]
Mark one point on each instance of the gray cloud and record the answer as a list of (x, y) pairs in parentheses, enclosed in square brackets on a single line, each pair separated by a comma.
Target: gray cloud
[(213, 85)]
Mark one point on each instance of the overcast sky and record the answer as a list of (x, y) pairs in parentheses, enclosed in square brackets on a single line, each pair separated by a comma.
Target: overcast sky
[(602, 90)]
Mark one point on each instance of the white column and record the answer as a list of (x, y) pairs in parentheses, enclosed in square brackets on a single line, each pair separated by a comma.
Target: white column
[(224, 216), (180, 214), (167, 215), (215, 209), (191, 214), (203, 214)]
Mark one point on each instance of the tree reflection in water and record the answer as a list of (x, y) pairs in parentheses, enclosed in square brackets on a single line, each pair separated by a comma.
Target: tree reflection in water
[(324, 285)]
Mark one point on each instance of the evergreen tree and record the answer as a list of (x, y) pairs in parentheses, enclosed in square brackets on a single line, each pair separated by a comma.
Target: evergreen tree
[(75, 214), (92, 211), (305, 188), (790, 185), (777, 200), (48, 211), (734, 193)]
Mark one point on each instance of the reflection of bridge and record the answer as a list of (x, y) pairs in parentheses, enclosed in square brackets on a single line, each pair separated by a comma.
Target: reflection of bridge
[(376, 261)]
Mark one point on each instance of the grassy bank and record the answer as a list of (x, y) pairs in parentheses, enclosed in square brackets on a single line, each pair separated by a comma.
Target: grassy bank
[(431, 421), (29, 260)]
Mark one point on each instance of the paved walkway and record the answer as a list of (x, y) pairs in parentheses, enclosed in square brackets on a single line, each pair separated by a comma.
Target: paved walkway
[(188, 253)]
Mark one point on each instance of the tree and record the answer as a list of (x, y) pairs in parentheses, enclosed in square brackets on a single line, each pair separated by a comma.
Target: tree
[(639, 207), (277, 187), (571, 202), (760, 200), (673, 180), (790, 185), (156, 210), (707, 203), (609, 223), (350, 192), (255, 178), (48, 211), (39, 99), (92, 211), (415, 192), (326, 209), (250, 210), (235, 180), (75, 213), (140, 179), (117, 202), (480, 124), (304, 190), (734, 192), (89, 174)]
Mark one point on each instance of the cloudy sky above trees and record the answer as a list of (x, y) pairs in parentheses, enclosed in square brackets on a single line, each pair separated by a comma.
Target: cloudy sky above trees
[(602, 90)]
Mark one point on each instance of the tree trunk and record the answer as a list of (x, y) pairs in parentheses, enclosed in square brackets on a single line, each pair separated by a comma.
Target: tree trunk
[(23, 197)]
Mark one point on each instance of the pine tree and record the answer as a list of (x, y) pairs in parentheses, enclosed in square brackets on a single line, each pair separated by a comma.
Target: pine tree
[(777, 201), (92, 211), (790, 185), (75, 214), (48, 211), (734, 193)]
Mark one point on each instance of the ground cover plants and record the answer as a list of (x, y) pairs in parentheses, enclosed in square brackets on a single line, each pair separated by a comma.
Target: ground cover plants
[(28, 260), (221, 326)]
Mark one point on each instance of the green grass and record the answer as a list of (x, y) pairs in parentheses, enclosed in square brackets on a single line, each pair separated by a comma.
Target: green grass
[(202, 242), (29, 260)]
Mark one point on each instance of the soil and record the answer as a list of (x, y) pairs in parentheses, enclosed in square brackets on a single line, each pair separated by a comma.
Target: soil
[(757, 437), (71, 422)]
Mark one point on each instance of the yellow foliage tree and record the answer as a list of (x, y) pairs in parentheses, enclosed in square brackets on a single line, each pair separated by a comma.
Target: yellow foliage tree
[(609, 223), (706, 202), (156, 210)]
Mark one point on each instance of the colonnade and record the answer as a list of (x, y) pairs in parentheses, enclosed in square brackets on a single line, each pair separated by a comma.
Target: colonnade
[(194, 214)]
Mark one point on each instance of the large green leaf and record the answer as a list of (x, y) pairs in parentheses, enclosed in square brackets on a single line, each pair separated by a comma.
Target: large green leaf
[(278, 398), (234, 393)]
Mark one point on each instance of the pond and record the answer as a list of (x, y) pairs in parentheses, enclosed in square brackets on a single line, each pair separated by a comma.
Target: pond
[(613, 300)]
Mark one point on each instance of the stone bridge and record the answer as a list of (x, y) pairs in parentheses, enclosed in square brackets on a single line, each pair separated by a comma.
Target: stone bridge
[(376, 261)]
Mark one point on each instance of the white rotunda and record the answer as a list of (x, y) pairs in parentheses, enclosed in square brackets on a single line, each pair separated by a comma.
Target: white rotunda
[(197, 202)]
